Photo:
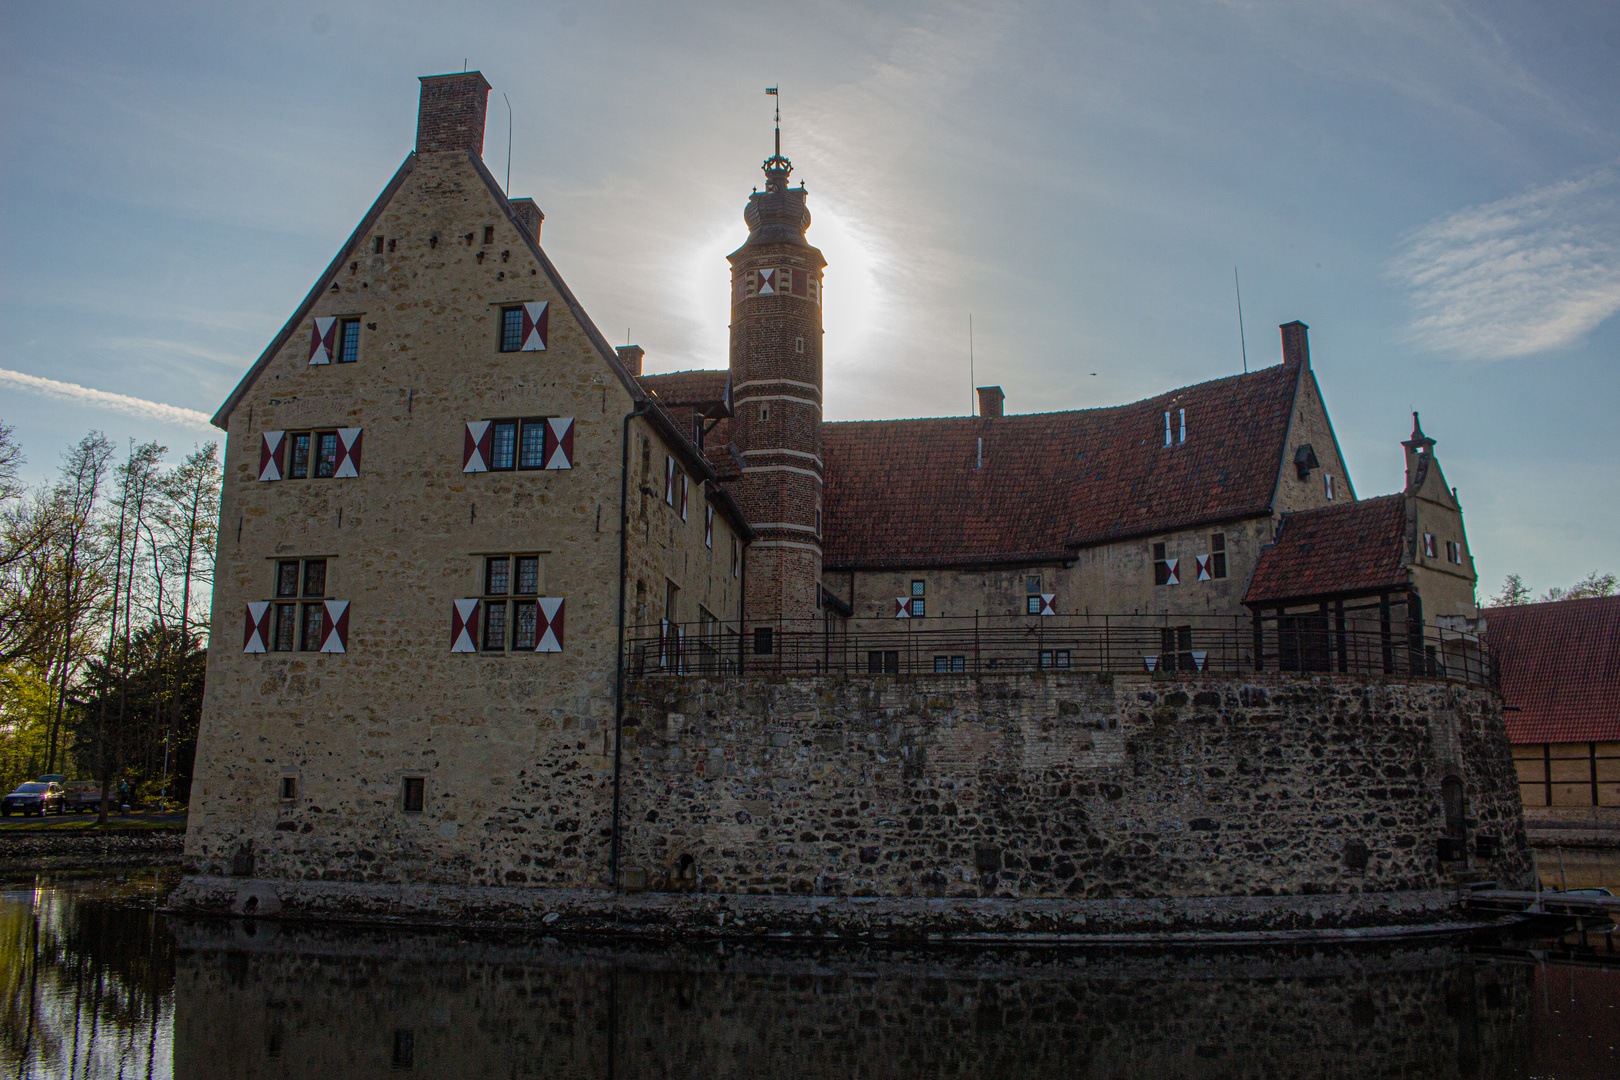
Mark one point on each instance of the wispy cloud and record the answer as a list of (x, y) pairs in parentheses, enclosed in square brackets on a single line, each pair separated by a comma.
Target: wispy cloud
[(1518, 276), (101, 399)]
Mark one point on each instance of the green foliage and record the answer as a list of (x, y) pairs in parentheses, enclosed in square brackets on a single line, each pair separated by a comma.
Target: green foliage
[(26, 700), (1515, 592)]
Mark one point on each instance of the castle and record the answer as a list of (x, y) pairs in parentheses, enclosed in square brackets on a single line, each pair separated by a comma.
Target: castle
[(505, 601)]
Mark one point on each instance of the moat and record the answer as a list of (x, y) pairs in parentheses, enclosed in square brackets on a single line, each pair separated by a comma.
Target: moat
[(98, 982)]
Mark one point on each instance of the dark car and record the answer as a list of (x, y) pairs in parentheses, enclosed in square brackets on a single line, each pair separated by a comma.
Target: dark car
[(34, 798)]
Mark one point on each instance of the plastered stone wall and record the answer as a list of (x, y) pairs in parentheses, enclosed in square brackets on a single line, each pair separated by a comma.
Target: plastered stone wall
[(309, 1003), (515, 748), (1059, 785)]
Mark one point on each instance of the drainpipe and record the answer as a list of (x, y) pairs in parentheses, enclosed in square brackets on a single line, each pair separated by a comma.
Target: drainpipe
[(641, 409)]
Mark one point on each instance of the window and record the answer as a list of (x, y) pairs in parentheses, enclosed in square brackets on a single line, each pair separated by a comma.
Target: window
[(1032, 597), (289, 788), (1429, 547), (1217, 555), (764, 412), (1175, 649), (947, 664), (669, 480), (736, 557), (1054, 659), (489, 234), (1453, 552), (798, 345), (511, 329), (883, 662), (708, 527), (1328, 478), (1164, 568), (672, 600), (312, 453), (299, 625), (413, 794), (377, 246), (511, 619), (348, 341), (762, 641), (919, 603), (517, 443)]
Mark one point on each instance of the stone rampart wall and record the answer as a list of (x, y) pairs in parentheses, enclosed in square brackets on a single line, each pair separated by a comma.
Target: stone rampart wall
[(1060, 785)]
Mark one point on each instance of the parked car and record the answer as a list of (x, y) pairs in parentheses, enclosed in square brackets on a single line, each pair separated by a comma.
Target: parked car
[(34, 797)]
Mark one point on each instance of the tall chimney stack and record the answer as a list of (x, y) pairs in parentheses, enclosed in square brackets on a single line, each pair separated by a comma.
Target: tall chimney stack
[(1296, 345), (530, 214), (990, 399), (451, 115), (630, 356)]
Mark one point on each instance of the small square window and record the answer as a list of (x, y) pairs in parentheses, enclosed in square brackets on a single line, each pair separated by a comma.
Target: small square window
[(497, 576), (918, 588), (528, 575), (919, 607), (348, 341), (511, 329), (287, 578), (1032, 605), (413, 794), (1032, 585), (289, 788)]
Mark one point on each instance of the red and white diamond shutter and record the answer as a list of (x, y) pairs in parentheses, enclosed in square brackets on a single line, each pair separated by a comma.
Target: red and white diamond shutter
[(1048, 603), (902, 607), (1172, 577), (559, 452), (551, 625), (767, 283), (683, 496), (464, 626), (475, 448), (335, 626), (708, 526), (1203, 567), (272, 452), (1151, 662), (348, 452), (536, 326), (1199, 656), (322, 341), (258, 626)]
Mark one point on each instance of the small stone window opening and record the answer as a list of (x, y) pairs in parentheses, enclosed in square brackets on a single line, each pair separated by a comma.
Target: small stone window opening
[(289, 788), (404, 1049), (919, 601), (1217, 555), (392, 244), (1453, 552), (764, 412), (736, 558), (413, 794), (1032, 595), (1328, 483), (818, 519), (377, 246), (348, 341), (1430, 548), (945, 665), (798, 345), (1054, 659), (489, 234)]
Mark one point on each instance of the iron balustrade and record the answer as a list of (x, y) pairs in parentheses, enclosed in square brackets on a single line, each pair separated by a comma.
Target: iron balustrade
[(1121, 644)]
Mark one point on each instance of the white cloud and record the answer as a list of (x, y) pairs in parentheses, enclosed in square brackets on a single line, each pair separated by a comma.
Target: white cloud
[(1518, 276), (101, 399)]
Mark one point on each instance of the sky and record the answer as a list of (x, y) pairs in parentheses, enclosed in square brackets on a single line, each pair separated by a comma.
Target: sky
[(1434, 188)]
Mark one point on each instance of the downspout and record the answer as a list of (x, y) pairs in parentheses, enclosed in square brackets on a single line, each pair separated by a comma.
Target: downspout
[(641, 409)]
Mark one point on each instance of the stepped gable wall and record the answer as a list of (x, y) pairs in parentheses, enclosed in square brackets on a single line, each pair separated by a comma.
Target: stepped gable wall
[(1061, 785)]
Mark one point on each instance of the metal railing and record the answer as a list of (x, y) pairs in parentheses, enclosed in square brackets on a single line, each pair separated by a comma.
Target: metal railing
[(979, 645)]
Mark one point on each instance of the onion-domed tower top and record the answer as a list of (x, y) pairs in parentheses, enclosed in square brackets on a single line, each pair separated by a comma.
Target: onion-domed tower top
[(776, 396)]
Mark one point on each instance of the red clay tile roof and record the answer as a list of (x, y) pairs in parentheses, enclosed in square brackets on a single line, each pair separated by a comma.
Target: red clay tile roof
[(1560, 665), (677, 388), (1334, 549), (908, 493)]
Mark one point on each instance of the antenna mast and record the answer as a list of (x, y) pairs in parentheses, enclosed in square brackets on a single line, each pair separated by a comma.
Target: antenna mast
[(1241, 338), (508, 144), (972, 391)]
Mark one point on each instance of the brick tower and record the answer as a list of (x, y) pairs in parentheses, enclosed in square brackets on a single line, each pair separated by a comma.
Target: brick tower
[(776, 396)]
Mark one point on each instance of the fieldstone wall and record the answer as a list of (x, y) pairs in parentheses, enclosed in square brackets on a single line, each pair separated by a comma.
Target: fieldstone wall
[(1061, 785)]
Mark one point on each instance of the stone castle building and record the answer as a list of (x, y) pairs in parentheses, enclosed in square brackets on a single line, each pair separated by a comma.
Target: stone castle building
[(514, 613)]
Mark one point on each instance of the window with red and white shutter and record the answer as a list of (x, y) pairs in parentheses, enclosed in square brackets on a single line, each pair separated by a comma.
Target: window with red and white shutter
[(272, 455)]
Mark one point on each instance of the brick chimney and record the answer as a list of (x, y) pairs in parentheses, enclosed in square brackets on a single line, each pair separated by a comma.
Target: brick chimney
[(530, 215), (630, 356), (451, 116), (990, 399), (1296, 346)]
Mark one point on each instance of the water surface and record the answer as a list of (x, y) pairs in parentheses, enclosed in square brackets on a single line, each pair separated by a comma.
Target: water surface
[(98, 984)]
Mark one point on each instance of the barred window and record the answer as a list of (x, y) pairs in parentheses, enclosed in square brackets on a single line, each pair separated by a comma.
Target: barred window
[(298, 625), (348, 341), (517, 443)]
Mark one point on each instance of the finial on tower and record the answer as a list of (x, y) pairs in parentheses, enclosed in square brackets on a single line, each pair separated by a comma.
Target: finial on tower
[(776, 166)]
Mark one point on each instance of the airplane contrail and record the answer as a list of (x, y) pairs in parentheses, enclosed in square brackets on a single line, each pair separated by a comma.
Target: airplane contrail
[(101, 399)]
